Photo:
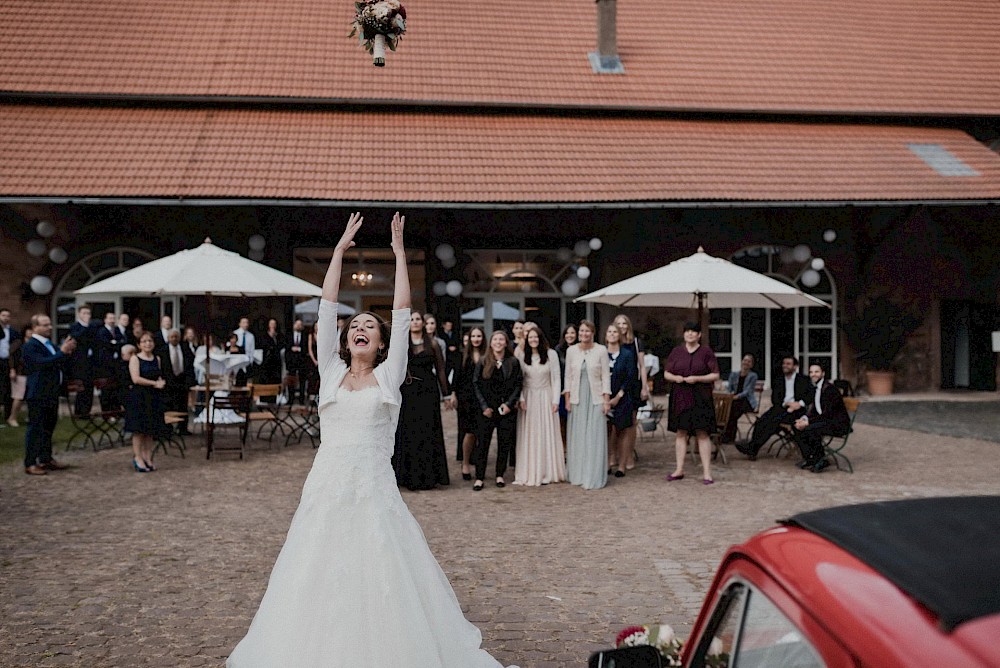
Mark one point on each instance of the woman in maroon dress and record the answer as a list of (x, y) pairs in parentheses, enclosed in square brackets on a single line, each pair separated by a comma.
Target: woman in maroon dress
[(693, 369)]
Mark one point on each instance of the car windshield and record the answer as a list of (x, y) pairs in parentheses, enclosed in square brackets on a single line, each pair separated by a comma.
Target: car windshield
[(752, 633)]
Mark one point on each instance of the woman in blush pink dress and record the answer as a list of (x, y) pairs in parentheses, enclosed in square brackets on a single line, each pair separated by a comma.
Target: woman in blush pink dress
[(539, 443)]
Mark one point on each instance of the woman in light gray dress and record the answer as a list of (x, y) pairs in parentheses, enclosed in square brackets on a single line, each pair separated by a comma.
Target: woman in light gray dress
[(587, 392)]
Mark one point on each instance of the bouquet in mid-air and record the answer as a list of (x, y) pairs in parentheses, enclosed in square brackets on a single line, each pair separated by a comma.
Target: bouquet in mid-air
[(379, 23)]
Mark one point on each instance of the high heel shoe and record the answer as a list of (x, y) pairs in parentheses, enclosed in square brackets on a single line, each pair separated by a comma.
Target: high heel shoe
[(478, 486), (149, 466), (466, 476), (619, 474), (139, 469)]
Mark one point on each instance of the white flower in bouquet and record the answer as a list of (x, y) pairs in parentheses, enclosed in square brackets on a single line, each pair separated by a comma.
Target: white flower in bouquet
[(379, 23), (715, 648)]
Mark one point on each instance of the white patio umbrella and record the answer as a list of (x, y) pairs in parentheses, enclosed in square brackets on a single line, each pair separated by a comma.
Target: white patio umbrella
[(311, 307), (500, 311), (206, 270), (701, 281)]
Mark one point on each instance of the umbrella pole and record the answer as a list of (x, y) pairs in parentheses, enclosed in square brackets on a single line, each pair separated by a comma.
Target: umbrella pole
[(702, 313), (209, 423)]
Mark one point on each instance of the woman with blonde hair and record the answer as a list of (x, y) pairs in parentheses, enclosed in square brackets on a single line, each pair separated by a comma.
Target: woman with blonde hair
[(621, 419), (638, 389), (588, 399)]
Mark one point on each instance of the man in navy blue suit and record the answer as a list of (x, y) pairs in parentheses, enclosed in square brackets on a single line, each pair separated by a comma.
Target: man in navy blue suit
[(44, 366), (81, 366)]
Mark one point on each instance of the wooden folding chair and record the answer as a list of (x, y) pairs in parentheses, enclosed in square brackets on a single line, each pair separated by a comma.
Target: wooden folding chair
[(304, 420), (238, 401), (172, 438), (652, 421), (723, 404), (834, 445), (98, 429), (259, 411), (743, 434)]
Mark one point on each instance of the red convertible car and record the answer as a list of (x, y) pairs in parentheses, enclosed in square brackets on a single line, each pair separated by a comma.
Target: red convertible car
[(896, 583)]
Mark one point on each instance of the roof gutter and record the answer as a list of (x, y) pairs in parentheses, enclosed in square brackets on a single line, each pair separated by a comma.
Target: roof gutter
[(390, 105), (649, 204)]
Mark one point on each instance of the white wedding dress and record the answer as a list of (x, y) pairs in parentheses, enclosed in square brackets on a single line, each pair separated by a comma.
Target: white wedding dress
[(355, 585)]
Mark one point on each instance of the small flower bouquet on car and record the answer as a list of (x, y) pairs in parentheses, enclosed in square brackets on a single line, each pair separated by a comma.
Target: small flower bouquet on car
[(660, 636), (379, 23), (663, 638)]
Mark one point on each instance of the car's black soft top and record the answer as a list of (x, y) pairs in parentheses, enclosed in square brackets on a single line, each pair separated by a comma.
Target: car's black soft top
[(943, 552)]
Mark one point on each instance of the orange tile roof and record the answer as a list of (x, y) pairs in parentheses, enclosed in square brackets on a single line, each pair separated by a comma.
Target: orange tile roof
[(851, 56), (476, 158)]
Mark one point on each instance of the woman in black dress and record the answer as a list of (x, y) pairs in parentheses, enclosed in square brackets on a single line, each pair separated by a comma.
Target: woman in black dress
[(270, 365), (419, 458), (568, 339), (693, 370), (144, 404), (468, 406)]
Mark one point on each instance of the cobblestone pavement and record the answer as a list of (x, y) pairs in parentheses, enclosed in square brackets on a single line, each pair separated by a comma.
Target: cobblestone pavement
[(100, 566)]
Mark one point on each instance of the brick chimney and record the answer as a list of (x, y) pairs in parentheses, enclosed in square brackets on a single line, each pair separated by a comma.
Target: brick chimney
[(605, 60)]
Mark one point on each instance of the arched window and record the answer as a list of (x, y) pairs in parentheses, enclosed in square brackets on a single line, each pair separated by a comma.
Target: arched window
[(93, 268), (808, 333)]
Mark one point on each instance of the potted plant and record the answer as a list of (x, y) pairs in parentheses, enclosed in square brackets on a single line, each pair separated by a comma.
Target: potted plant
[(877, 331)]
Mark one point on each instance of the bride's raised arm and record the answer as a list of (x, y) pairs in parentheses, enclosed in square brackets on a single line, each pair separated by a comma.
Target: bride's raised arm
[(401, 298), (331, 284)]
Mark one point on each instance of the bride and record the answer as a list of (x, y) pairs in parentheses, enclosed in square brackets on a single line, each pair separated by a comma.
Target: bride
[(355, 585)]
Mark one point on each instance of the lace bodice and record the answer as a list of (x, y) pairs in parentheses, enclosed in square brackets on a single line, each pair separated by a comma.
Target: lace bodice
[(536, 376), (357, 434)]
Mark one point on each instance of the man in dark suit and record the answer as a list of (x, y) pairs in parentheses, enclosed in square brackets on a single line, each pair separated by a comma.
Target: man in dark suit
[(81, 366), (125, 331), (296, 358), (791, 393), (8, 338), (179, 377), (44, 367), (827, 416), (107, 349), (161, 335)]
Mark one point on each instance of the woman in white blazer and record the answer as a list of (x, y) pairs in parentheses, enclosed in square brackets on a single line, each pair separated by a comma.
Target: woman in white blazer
[(587, 391)]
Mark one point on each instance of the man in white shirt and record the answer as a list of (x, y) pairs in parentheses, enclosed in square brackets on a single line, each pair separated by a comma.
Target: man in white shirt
[(160, 337), (179, 378), (6, 339), (791, 393), (827, 416), (247, 343), (124, 331)]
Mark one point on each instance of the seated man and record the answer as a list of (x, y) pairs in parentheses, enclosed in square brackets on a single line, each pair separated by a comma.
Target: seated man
[(791, 393), (827, 416)]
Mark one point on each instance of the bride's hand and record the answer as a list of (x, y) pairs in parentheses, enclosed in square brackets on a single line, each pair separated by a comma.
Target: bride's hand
[(353, 225), (398, 222)]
